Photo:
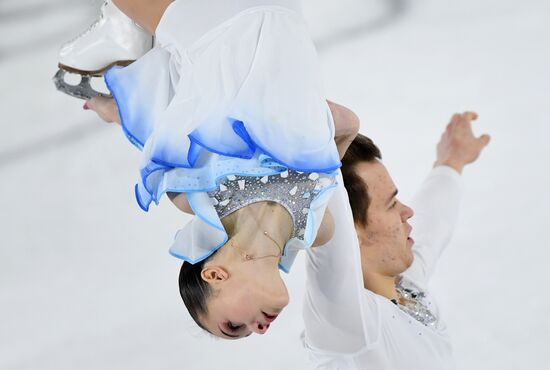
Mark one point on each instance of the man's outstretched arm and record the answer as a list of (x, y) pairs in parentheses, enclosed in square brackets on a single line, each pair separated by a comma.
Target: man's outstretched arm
[(334, 299), (436, 204)]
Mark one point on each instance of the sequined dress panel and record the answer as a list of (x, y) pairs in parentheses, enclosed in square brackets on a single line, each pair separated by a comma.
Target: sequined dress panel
[(291, 189)]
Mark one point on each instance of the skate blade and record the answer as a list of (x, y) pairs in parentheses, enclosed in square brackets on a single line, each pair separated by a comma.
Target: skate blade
[(81, 91)]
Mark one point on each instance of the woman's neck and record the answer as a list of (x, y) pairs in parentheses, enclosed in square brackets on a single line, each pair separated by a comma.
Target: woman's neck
[(260, 229)]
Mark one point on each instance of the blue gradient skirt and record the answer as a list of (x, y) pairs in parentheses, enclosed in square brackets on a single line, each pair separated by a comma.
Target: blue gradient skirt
[(243, 98)]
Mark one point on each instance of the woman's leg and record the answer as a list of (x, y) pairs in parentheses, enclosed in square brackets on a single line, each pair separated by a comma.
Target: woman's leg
[(146, 13)]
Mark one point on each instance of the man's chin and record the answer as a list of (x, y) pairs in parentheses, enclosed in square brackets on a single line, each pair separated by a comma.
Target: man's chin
[(410, 259), (407, 262)]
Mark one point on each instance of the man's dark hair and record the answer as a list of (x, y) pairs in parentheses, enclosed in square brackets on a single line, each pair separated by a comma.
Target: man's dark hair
[(194, 290), (362, 149)]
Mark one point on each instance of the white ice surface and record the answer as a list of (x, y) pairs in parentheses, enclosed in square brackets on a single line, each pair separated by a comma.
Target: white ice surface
[(85, 278)]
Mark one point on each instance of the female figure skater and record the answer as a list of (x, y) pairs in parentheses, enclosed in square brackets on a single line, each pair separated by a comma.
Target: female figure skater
[(229, 112)]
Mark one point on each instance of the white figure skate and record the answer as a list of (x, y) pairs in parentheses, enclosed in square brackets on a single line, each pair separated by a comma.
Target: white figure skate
[(114, 39)]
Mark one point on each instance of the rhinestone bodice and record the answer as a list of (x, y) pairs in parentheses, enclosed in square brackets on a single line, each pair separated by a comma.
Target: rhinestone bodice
[(415, 305), (291, 189)]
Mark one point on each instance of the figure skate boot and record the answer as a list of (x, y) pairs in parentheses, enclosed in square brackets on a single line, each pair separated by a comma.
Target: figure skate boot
[(114, 39)]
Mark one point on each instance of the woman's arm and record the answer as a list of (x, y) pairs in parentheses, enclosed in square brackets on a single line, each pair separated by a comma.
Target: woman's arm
[(180, 201)]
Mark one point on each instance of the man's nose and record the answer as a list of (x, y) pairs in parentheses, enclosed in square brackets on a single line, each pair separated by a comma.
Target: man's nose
[(259, 328), (407, 212)]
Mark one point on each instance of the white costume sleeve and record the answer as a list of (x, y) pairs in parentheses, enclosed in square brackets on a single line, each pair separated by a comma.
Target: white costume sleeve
[(436, 208), (335, 299)]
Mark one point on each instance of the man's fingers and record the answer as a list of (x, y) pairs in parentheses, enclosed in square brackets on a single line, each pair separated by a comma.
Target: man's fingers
[(484, 139), (463, 118), (470, 116), (455, 119), (464, 122)]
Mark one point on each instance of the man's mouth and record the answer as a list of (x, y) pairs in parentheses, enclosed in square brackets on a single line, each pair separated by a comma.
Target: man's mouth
[(409, 239)]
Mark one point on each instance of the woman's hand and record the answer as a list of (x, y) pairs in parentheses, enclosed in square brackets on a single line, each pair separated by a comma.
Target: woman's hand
[(346, 124), (105, 108)]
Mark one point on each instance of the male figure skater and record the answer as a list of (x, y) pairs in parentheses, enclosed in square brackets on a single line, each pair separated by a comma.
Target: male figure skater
[(367, 303)]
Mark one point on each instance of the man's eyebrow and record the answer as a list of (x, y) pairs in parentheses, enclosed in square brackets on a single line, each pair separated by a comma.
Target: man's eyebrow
[(392, 196)]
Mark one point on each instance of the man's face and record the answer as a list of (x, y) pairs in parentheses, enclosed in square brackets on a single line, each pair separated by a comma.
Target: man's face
[(386, 247)]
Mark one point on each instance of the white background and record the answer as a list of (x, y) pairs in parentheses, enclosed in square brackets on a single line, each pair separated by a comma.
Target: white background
[(85, 278)]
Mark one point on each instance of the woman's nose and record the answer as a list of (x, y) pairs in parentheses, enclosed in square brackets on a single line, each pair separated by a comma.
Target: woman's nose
[(259, 328)]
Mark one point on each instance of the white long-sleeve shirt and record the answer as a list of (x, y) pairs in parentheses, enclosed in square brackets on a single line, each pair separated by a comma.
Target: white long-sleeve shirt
[(349, 327)]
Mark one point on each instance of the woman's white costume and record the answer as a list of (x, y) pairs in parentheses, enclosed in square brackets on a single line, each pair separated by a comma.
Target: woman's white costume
[(232, 90)]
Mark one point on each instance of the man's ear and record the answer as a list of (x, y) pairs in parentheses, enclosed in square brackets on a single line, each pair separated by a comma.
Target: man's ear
[(214, 274)]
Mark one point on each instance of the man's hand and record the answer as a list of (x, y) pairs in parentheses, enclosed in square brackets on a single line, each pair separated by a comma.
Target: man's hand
[(458, 145), (346, 126), (105, 108)]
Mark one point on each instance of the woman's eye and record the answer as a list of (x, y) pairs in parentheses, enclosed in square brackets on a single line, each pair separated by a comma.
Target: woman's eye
[(232, 327), (393, 204)]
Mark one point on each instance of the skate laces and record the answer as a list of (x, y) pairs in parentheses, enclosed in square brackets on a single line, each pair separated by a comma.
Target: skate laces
[(91, 27)]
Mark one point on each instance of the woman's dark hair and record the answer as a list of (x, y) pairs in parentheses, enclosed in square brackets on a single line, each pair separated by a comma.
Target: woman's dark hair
[(362, 149), (194, 290)]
